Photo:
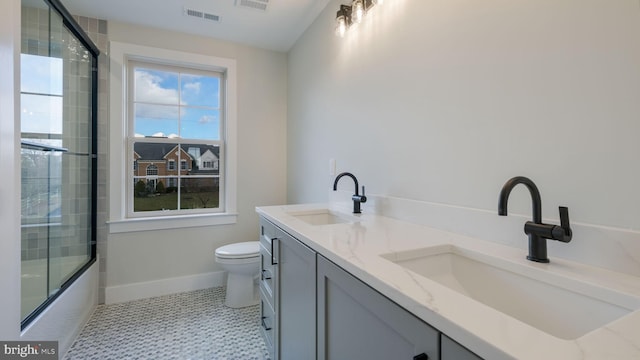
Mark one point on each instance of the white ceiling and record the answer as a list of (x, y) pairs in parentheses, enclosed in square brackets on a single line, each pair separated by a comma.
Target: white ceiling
[(276, 28)]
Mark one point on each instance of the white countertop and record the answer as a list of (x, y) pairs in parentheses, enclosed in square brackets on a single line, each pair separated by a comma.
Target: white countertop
[(356, 246)]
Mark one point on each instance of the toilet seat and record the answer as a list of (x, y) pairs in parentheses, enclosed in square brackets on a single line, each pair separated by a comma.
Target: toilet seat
[(243, 250)]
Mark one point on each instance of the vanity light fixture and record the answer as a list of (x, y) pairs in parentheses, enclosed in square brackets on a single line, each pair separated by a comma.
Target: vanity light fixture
[(353, 14), (357, 8), (343, 20)]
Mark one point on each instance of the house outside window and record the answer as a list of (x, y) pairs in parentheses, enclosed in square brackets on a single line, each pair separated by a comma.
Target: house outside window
[(176, 114)]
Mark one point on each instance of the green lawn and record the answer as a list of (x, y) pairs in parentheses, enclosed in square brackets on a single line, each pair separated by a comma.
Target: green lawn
[(192, 200)]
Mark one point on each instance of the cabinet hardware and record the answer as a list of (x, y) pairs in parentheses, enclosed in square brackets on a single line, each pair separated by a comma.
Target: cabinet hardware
[(266, 277), (264, 324), (273, 259)]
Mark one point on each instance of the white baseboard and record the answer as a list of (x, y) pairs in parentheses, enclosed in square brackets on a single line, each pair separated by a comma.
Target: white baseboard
[(147, 289)]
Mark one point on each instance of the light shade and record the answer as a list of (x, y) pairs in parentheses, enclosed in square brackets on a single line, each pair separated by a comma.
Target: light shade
[(343, 20), (357, 8)]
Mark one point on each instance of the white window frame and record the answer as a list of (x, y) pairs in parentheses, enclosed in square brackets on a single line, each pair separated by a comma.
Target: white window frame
[(184, 164), (119, 219)]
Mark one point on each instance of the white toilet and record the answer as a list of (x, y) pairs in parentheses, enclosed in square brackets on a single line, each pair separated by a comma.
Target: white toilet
[(242, 263)]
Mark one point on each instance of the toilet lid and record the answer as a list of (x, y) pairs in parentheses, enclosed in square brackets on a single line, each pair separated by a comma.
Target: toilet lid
[(239, 250)]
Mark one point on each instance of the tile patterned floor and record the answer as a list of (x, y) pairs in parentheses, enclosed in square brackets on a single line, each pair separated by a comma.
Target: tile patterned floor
[(192, 325)]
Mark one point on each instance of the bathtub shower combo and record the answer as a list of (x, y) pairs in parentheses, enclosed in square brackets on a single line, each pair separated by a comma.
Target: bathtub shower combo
[(58, 88)]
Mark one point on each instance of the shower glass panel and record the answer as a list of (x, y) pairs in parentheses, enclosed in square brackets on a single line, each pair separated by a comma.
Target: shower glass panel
[(57, 156)]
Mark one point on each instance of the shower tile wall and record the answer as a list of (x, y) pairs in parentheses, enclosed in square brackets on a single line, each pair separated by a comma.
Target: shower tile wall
[(67, 239), (97, 31)]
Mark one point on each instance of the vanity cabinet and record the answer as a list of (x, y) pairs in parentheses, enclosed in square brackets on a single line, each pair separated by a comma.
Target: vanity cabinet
[(313, 309), (288, 294), (356, 322)]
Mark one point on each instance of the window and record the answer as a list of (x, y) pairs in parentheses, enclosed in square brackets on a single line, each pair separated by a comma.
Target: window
[(152, 170), (175, 114), (122, 219)]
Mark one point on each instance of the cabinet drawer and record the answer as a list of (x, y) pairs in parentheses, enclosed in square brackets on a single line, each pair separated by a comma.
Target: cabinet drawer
[(267, 326), (267, 231), (267, 273), (268, 244)]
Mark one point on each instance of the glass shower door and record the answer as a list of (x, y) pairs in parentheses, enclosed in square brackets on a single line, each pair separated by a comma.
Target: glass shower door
[(56, 155)]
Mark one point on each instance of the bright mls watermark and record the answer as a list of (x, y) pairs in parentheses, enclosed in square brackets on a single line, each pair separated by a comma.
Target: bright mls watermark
[(41, 350)]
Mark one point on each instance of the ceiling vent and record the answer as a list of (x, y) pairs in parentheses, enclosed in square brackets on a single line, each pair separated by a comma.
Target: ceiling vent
[(200, 14), (253, 4)]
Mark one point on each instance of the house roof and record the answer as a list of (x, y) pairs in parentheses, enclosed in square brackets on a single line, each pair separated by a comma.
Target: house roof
[(158, 151)]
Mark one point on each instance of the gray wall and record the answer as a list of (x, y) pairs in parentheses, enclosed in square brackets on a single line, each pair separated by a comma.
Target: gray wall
[(443, 101)]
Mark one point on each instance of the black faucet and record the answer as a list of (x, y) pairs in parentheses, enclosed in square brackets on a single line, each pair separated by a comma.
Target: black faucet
[(357, 198), (537, 231)]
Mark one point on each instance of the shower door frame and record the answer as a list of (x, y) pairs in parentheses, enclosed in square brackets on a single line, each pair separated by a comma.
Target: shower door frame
[(79, 33)]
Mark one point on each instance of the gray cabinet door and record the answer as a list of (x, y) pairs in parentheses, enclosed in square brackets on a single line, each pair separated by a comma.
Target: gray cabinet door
[(451, 350), (297, 298), (357, 322)]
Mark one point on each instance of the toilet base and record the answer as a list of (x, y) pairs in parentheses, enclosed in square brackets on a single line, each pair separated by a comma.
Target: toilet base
[(242, 290)]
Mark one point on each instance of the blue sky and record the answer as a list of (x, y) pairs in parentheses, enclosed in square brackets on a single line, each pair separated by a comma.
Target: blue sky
[(182, 104), (41, 75)]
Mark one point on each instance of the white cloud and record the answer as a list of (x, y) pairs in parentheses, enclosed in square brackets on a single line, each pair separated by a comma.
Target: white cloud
[(205, 119), (149, 89), (193, 86)]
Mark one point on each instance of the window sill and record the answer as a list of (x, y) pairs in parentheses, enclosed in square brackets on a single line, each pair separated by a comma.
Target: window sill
[(170, 222)]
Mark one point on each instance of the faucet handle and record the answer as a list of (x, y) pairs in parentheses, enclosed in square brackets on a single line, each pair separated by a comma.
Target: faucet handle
[(563, 232), (363, 198)]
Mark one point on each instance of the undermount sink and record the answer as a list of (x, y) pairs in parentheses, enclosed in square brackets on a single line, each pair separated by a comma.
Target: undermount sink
[(322, 217), (560, 306)]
